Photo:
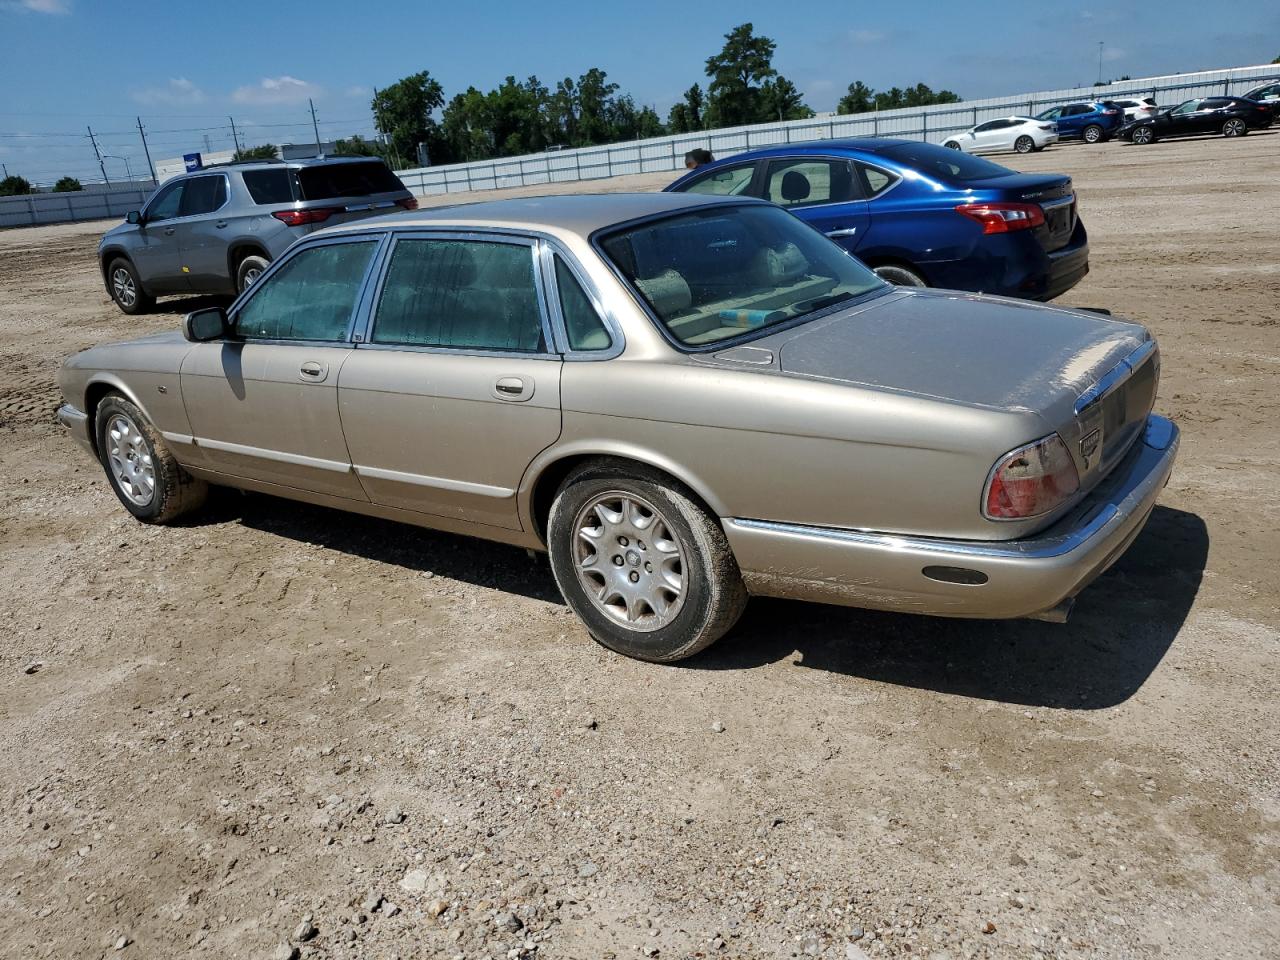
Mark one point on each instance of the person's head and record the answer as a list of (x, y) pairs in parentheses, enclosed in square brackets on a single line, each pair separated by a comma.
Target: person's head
[(697, 158)]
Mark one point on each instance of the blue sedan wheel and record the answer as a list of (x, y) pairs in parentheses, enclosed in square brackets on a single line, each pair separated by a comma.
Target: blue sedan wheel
[(900, 276)]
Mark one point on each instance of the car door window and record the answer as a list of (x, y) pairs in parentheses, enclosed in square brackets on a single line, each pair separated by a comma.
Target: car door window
[(1189, 106), (165, 204), (725, 182), (203, 195), (469, 294), (1053, 114), (581, 321), (875, 181), (799, 183), (309, 297)]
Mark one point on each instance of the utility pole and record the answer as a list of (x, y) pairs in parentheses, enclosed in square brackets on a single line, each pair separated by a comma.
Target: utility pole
[(1100, 42), (150, 166), (314, 126), (235, 137), (5, 168), (101, 166)]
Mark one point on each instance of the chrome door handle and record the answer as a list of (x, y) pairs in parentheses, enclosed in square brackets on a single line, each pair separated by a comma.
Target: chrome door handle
[(169, 232), (220, 224), (313, 372), (847, 232), (513, 388)]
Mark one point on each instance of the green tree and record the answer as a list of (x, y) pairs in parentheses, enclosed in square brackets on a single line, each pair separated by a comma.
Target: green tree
[(264, 151), (13, 186), (737, 73), (67, 185), (859, 99), (780, 100), (593, 101), (358, 146), (686, 116), (405, 112)]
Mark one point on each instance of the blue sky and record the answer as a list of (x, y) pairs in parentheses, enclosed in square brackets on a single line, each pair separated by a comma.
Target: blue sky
[(186, 66)]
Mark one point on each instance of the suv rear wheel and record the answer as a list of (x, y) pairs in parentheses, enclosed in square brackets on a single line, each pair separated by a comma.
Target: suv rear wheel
[(126, 288), (1092, 133), (250, 269)]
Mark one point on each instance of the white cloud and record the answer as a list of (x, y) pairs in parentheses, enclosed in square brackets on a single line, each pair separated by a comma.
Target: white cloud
[(177, 91), (866, 36), (38, 6), (276, 90), (1110, 54), (358, 91)]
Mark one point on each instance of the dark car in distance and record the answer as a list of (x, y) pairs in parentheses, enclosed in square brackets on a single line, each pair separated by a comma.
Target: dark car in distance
[(1093, 122), (1229, 116), (919, 214)]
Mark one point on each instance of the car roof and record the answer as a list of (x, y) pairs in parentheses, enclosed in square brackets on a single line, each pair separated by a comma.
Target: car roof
[(278, 164), (582, 214)]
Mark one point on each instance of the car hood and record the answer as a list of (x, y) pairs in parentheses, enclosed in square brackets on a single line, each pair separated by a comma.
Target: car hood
[(962, 348)]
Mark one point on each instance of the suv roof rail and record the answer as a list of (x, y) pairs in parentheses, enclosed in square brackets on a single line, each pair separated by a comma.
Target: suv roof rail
[(241, 163)]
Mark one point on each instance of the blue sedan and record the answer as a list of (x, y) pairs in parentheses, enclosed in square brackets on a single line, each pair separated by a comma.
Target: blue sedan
[(920, 214)]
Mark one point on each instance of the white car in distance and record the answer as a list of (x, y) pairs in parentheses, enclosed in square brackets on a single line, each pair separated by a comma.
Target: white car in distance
[(1138, 109), (1019, 134)]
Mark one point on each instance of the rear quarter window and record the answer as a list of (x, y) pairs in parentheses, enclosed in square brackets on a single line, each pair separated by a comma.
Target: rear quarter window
[(268, 186), (952, 166), (346, 180)]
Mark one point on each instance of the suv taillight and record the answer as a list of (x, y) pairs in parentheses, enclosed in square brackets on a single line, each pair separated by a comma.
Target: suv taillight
[(409, 203), (1030, 481), (298, 218), (1003, 217)]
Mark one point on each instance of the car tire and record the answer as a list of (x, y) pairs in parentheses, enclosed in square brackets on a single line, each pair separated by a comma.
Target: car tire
[(688, 590), (899, 275), (1235, 127), (1092, 133), (951, 145), (126, 287), (1143, 136), (249, 270), (143, 473), (1024, 144)]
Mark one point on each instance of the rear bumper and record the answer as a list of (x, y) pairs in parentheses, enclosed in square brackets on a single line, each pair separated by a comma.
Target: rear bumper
[(1008, 579), (77, 424)]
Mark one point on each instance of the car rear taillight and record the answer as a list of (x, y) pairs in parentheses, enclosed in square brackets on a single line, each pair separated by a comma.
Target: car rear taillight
[(1031, 481), (1109, 113), (1003, 217), (298, 218), (409, 203)]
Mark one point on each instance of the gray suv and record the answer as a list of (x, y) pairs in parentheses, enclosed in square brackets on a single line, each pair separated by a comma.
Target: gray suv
[(215, 230)]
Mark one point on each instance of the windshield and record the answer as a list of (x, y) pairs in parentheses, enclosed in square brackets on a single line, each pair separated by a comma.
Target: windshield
[(717, 273), (953, 166)]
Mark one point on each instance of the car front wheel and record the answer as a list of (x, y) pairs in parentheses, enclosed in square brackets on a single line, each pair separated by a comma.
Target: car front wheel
[(951, 145), (1024, 145), (1092, 133), (1144, 135), (126, 287), (142, 472), (644, 566), (1235, 128)]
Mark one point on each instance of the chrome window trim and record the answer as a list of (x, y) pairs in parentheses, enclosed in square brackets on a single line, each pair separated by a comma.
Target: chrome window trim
[(456, 351), (437, 483), (294, 459), (548, 250), (362, 333), (897, 179), (1114, 378), (378, 237)]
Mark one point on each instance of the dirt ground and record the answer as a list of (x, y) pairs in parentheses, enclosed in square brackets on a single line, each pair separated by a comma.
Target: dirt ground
[(279, 712)]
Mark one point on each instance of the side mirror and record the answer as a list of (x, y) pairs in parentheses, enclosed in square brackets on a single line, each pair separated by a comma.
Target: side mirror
[(133, 216), (201, 326)]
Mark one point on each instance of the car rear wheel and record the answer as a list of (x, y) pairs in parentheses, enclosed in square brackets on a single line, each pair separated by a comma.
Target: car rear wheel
[(141, 470), (1092, 133), (900, 276), (1144, 135), (1024, 144), (645, 567), (126, 288), (1235, 127), (951, 145), (250, 269)]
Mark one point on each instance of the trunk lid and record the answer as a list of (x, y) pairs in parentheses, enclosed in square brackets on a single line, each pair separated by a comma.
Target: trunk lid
[(1067, 366), (1054, 193)]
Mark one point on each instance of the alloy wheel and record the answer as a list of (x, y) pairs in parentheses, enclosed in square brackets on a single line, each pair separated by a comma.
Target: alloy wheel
[(122, 285), (129, 458), (629, 561), (1233, 128), (1024, 145), (1142, 135)]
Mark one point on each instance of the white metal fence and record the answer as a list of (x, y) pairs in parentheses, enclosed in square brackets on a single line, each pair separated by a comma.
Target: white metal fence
[(93, 203), (918, 123), (667, 153)]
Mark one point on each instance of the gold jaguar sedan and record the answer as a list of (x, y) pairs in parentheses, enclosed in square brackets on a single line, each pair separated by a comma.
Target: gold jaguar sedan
[(685, 400)]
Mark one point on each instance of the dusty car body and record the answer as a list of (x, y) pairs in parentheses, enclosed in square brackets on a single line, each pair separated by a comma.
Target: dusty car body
[(695, 399)]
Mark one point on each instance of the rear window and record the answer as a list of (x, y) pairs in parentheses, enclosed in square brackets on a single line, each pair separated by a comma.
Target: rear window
[(346, 180), (952, 166), (269, 186)]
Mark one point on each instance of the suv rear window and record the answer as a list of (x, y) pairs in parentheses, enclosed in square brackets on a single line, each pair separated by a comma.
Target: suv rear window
[(346, 180), (269, 186), (952, 166)]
